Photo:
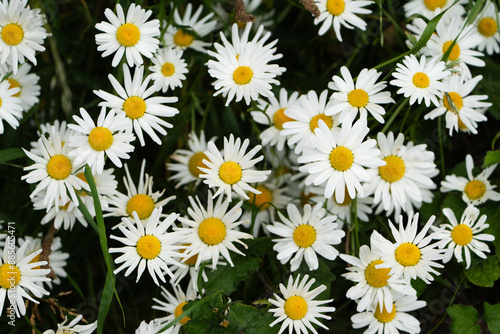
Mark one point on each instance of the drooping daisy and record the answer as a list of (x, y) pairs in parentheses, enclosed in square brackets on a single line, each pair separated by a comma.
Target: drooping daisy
[(374, 285), (212, 231), (411, 255), (172, 305), (475, 189), (465, 235), (28, 85), (487, 27), (132, 35), (55, 171), (337, 13), (232, 170), (168, 69), (10, 108), (188, 161), (420, 80), (298, 309), (304, 236), (431, 8), (390, 322), (406, 175), (364, 96), (187, 31), (243, 71), (64, 217), (273, 115), (148, 245), (304, 117), (465, 110), (339, 161), (110, 136), (22, 32), (140, 199), (143, 111), (72, 327), (18, 275)]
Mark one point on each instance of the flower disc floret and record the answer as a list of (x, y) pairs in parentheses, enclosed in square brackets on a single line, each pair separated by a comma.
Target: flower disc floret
[(433, 4), (100, 138), (385, 316), (263, 199), (304, 236), (128, 34), (407, 254), (59, 167), (296, 307), (280, 118), (335, 7), (12, 34), (230, 172), (148, 247), (475, 189), (14, 84), (183, 39), (394, 169), (358, 98), (313, 124), (461, 234), (142, 204), (457, 101), (168, 69), (7, 272), (487, 27), (212, 231), (455, 51), (178, 311), (341, 158), (242, 75), (134, 107), (196, 161), (377, 277), (421, 80)]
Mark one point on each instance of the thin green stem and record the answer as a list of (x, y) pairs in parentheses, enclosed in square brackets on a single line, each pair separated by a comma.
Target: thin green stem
[(395, 114), (441, 149)]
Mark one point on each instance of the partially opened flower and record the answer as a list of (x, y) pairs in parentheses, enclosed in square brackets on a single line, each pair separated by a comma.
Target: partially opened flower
[(73, 327)]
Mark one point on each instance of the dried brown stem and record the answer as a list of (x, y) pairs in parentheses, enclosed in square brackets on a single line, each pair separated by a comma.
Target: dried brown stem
[(240, 14), (47, 250), (311, 6)]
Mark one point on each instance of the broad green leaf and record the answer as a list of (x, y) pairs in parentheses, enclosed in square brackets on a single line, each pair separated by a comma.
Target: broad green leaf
[(491, 158), (9, 154), (465, 319), (492, 317), (250, 320), (484, 273), (226, 278)]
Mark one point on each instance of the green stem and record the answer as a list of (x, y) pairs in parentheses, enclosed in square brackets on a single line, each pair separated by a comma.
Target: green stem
[(441, 149), (356, 227), (395, 114)]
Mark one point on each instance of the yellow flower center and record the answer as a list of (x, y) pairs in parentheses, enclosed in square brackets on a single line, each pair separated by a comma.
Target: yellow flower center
[(341, 158), (100, 138), (178, 312), (14, 84), (196, 161), (168, 69), (242, 75), (461, 124), (377, 277), (347, 198), (314, 121), (457, 101), (433, 4), (192, 260), (487, 27), (12, 34), (263, 199), (394, 169), (385, 316), (148, 247), (421, 80), (304, 236), (358, 98), (36, 259), (59, 167), (407, 254), (279, 118), (295, 307), (335, 7), (455, 52), (183, 39), (142, 204), (212, 231), (461, 234), (475, 189), (65, 206), (128, 34), (134, 107), (230, 172), (10, 275), (80, 192)]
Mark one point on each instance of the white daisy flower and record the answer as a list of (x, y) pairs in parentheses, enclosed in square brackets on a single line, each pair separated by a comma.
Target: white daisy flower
[(60, 127), (420, 80), (188, 161), (172, 305), (337, 13), (72, 327), (304, 236), (406, 175), (150, 328), (179, 35), (18, 275), (11, 109), (28, 85), (168, 69), (212, 231), (432, 8), (142, 110), (55, 171), (339, 161), (475, 189), (232, 170), (390, 322), (141, 199), (132, 35), (64, 217), (374, 285), (106, 189), (298, 309), (487, 27), (22, 32), (466, 110), (465, 235), (364, 96), (148, 245), (304, 117), (272, 114), (242, 69), (411, 255)]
